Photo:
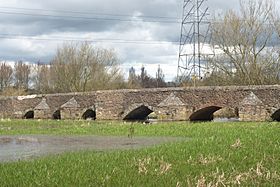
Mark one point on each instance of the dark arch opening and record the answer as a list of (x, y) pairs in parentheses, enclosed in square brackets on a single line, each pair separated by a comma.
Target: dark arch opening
[(236, 111), (276, 116), (29, 115), (56, 115), (89, 114), (204, 114), (140, 113)]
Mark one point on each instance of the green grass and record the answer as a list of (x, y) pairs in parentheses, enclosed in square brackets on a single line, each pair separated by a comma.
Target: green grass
[(218, 154)]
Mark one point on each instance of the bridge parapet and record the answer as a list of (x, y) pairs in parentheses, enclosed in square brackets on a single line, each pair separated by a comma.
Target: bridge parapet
[(249, 103)]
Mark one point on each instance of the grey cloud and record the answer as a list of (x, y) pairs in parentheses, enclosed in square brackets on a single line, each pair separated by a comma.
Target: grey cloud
[(44, 25), (155, 54), (37, 25)]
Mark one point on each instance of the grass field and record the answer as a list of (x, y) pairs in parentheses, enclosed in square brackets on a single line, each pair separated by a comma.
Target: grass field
[(216, 154)]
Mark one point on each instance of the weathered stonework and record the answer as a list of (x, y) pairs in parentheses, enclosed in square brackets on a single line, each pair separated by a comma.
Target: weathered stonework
[(42, 110), (253, 109), (249, 103), (71, 109), (172, 108), (227, 112)]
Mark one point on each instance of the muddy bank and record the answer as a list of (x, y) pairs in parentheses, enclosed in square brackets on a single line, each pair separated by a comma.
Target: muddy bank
[(13, 148)]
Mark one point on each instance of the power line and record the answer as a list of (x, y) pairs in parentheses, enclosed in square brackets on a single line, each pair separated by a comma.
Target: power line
[(90, 13), (87, 18), (69, 39)]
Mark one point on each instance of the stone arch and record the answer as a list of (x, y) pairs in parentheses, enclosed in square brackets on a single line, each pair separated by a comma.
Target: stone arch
[(204, 114), (276, 115), (227, 113), (89, 114), (56, 115), (137, 112), (29, 114)]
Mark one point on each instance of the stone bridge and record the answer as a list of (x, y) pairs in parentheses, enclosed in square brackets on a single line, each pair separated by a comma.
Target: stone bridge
[(252, 103)]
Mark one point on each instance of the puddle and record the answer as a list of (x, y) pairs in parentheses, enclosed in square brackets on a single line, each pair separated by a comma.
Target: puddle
[(14, 148), (17, 148)]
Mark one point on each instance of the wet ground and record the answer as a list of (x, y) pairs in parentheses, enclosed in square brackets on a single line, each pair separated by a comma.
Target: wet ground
[(226, 120), (13, 148)]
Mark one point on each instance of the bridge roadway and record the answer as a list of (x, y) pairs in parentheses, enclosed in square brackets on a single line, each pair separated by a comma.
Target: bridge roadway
[(248, 103)]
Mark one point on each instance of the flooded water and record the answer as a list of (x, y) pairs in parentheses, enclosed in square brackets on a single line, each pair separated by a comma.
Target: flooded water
[(226, 120), (14, 148)]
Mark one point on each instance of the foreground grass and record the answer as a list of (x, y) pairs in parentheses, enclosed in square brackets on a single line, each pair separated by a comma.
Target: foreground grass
[(218, 154)]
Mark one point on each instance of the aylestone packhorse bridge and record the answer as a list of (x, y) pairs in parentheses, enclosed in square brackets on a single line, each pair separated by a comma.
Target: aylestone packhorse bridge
[(250, 103)]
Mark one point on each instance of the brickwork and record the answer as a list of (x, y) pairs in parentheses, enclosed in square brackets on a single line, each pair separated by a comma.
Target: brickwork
[(254, 103)]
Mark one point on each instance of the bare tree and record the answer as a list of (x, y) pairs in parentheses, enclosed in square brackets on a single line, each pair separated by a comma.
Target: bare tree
[(105, 70), (160, 78), (276, 22), (82, 67), (145, 79), (133, 81), (22, 75), (61, 75), (243, 39), (42, 78), (6, 73)]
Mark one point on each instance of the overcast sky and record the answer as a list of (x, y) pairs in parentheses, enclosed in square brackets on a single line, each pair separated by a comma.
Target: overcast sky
[(113, 25)]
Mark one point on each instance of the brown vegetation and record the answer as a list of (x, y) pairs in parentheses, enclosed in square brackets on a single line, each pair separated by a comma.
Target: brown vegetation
[(245, 46)]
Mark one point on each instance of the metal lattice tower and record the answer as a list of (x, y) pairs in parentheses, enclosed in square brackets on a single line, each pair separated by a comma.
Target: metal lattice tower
[(192, 61)]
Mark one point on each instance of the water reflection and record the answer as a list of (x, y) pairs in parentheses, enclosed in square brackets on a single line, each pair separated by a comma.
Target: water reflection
[(226, 120), (18, 148), (14, 148)]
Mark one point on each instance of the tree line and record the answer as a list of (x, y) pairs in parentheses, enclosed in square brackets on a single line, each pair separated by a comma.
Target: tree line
[(143, 80), (77, 67), (246, 43)]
